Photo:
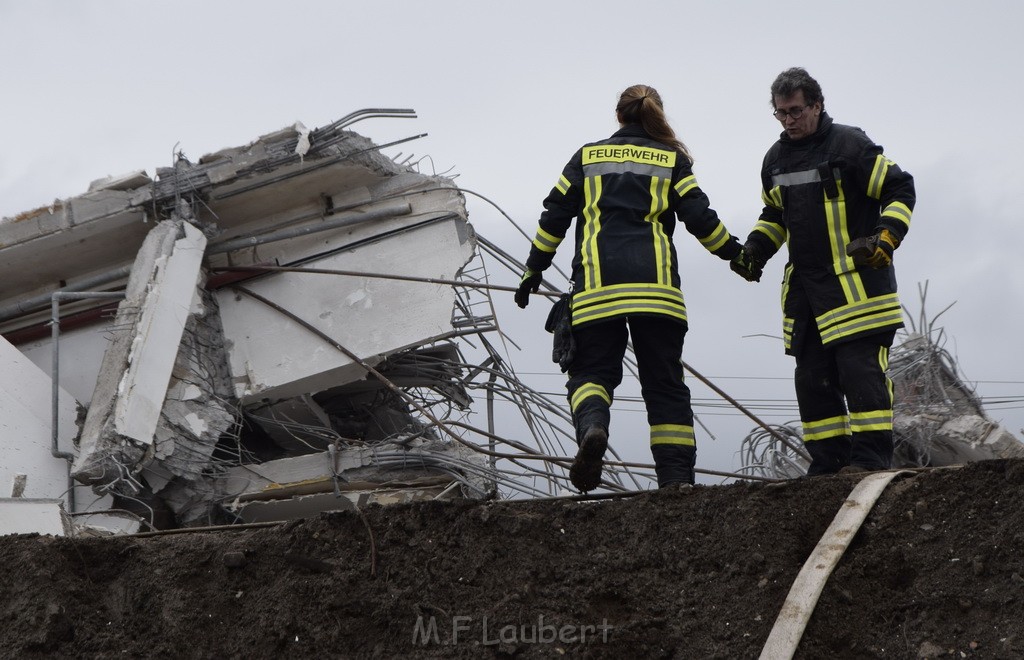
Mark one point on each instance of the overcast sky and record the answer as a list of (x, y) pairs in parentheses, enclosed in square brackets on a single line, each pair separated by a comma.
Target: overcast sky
[(506, 93)]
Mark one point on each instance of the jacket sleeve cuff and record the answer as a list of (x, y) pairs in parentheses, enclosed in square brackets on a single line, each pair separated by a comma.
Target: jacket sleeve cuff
[(729, 251)]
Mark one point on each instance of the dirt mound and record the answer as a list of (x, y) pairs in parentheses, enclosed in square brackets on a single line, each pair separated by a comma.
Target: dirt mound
[(936, 570)]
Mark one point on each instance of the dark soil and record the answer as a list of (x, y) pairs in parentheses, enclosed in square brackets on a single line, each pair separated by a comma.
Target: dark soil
[(700, 573)]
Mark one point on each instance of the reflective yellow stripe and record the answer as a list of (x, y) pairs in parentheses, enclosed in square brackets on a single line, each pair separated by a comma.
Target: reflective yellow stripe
[(856, 318), (878, 173), (662, 246), (862, 326), (546, 242), (787, 321), (672, 434), (635, 290), (686, 185), (852, 312), (839, 236), (883, 362), (589, 258), (775, 233), (898, 211), (872, 420), (587, 390), (625, 299), (626, 308), (772, 198), (716, 239), (563, 185), (823, 429)]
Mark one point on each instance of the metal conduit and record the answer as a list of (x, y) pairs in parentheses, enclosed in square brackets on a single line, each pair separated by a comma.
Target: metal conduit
[(39, 302), (55, 299)]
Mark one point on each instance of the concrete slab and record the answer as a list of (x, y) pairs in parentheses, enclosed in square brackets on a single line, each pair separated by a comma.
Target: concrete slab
[(85, 346), (137, 365), (26, 427), (165, 311), (309, 505), (27, 516), (370, 317)]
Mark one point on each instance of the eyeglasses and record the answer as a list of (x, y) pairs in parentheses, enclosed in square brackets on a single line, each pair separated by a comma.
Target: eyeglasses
[(795, 113)]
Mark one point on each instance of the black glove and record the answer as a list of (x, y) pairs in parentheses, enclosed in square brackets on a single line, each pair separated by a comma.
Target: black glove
[(559, 323), (874, 251), (529, 284), (747, 264)]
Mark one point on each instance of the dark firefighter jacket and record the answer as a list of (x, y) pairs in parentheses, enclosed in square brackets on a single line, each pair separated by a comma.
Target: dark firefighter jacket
[(820, 193), (627, 192)]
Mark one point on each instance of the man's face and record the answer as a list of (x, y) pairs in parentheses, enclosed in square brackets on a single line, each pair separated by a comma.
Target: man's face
[(805, 121)]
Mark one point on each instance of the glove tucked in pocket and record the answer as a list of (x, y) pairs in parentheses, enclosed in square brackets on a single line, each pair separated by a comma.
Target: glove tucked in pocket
[(559, 323)]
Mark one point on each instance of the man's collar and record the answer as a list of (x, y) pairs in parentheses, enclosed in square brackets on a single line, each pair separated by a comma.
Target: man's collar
[(824, 124)]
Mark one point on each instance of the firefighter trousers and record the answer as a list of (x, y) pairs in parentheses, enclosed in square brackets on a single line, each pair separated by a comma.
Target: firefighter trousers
[(596, 371), (845, 400)]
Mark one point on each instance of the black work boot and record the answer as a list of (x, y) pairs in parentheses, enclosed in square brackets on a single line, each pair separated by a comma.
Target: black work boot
[(828, 456), (585, 472), (674, 464)]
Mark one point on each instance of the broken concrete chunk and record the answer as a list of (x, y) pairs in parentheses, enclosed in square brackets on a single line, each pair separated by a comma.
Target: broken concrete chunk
[(129, 181), (136, 369)]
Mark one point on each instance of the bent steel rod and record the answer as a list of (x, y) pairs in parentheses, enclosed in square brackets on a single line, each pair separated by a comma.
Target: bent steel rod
[(384, 276), (739, 406)]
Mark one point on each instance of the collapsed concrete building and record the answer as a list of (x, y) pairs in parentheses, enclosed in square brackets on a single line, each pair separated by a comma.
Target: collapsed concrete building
[(298, 325), (218, 344)]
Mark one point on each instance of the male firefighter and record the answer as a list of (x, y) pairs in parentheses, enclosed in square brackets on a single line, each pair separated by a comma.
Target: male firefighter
[(842, 208)]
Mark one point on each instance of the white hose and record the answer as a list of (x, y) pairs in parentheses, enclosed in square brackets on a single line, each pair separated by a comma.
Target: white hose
[(803, 595)]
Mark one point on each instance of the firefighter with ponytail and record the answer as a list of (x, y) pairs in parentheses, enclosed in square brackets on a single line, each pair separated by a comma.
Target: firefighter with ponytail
[(626, 194)]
